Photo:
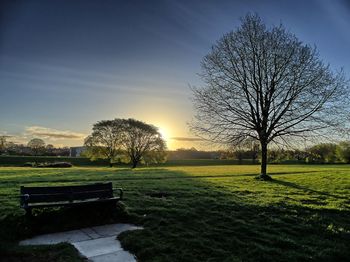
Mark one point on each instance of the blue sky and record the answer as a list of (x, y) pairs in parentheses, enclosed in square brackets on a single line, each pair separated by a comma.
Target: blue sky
[(66, 64)]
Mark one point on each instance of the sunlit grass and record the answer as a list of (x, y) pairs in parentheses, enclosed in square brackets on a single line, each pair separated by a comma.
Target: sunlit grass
[(213, 213)]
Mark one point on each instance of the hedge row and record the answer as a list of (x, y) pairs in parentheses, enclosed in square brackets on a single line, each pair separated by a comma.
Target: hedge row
[(82, 161), (76, 161)]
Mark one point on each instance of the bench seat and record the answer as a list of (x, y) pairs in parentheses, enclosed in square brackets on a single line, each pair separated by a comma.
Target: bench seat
[(54, 196)]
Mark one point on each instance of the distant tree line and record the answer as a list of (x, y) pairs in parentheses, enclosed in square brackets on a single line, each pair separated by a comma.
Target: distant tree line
[(319, 153), (192, 153), (35, 147)]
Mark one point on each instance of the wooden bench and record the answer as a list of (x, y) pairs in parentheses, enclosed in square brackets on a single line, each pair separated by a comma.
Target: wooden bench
[(40, 197)]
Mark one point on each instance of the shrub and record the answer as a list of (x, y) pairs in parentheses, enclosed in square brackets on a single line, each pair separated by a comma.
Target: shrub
[(55, 164), (29, 164)]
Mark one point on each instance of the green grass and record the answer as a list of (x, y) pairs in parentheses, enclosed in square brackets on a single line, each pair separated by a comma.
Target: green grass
[(208, 213)]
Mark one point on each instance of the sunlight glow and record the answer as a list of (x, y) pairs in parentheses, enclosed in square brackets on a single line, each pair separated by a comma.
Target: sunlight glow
[(164, 133)]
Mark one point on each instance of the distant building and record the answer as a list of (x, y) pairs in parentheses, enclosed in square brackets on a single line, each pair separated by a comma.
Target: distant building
[(76, 151)]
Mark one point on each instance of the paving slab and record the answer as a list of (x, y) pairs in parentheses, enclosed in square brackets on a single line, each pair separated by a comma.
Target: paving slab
[(121, 255), (55, 238), (98, 244), (113, 229), (90, 232)]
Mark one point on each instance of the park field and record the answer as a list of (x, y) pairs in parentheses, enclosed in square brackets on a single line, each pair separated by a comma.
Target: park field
[(195, 213)]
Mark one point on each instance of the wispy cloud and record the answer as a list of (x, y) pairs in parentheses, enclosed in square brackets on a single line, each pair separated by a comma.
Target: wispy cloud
[(54, 134), (187, 139), (43, 77)]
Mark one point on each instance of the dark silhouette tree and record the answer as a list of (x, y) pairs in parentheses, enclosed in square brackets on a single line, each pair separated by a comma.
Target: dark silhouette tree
[(105, 140), (37, 145), (3, 143), (142, 141), (125, 139), (263, 83)]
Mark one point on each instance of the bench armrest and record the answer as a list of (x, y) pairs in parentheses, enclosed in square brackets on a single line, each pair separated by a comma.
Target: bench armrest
[(24, 199), (120, 192)]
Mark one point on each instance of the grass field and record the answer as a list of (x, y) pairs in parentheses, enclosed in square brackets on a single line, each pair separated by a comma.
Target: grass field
[(205, 213)]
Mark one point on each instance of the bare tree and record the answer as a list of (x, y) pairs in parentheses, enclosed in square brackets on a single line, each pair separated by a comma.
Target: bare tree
[(263, 83), (142, 141), (105, 140), (3, 143)]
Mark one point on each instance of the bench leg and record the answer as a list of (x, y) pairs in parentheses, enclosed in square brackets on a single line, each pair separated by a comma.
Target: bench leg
[(28, 212)]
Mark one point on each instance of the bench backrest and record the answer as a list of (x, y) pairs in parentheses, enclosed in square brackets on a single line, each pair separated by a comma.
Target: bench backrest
[(67, 193)]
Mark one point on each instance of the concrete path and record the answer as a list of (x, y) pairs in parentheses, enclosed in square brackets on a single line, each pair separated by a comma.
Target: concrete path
[(98, 244)]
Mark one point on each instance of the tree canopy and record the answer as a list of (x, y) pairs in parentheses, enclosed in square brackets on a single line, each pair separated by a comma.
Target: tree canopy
[(142, 141), (128, 139), (343, 151), (105, 140), (36, 145)]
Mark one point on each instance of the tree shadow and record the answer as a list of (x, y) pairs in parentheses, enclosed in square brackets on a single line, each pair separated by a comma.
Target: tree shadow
[(305, 189), (199, 220), (190, 218)]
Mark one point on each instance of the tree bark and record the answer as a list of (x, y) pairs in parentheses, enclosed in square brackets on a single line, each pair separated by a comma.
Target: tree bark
[(263, 158), (263, 173)]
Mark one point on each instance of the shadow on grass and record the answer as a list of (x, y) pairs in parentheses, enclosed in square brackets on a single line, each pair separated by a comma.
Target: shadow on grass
[(187, 218), (129, 174), (305, 189), (207, 223), (215, 229), (49, 220)]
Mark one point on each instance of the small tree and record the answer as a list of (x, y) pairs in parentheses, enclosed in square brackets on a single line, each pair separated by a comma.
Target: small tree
[(324, 153), (142, 141), (3, 144), (37, 145), (263, 83), (105, 140), (343, 151)]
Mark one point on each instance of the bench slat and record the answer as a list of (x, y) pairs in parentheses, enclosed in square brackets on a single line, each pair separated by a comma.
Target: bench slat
[(65, 189), (76, 203), (66, 193)]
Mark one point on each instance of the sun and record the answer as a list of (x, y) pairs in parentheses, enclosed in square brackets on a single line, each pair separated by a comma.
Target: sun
[(164, 133)]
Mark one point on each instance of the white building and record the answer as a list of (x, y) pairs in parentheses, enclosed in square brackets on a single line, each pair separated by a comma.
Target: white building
[(76, 151)]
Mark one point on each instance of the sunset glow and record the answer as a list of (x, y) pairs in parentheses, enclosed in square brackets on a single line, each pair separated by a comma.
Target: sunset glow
[(128, 61), (164, 133)]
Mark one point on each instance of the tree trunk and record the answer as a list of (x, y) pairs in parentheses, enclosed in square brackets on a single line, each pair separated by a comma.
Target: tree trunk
[(263, 158), (110, 163), (134, 163), (263, 173)]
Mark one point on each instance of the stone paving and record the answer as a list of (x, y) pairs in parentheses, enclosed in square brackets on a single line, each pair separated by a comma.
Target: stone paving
[(98, 244)]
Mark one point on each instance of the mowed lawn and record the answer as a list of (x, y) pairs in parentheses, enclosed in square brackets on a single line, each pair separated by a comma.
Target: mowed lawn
[(199, 213)]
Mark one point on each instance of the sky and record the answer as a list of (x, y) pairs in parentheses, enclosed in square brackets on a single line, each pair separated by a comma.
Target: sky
[(64, 65)]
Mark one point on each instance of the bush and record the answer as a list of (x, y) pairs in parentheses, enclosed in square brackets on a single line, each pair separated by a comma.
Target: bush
[(55, 164), (23, 160), (29, 164)]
